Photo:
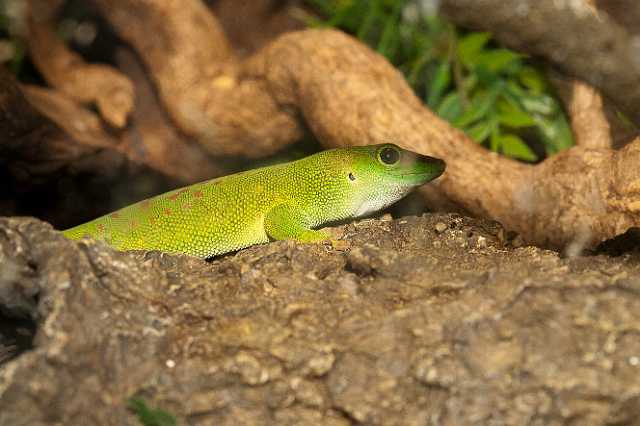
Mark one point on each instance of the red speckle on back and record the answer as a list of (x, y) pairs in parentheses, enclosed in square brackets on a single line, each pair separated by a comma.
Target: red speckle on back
[(133, 224), (187, 206), (145, 204), (167, 212), (100, 228), (198, 194), (115, 215), (177, 194), (153, 220)]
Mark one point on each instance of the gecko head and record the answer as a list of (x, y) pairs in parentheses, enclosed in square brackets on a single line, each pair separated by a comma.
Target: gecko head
[(380, 175)]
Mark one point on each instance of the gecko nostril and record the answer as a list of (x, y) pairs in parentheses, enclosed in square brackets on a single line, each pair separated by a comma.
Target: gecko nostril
[(352, 176)]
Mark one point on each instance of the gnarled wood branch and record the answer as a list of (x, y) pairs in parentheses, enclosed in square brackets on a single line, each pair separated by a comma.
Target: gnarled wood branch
[(59, 162), (199, 77), (66, 71), (349, 95)]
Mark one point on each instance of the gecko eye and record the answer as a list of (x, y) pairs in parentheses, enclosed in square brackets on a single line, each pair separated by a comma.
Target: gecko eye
[(352, 177), (389, 155)]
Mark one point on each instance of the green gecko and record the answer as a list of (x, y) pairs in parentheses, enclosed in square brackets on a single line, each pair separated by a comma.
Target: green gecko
[(283, 201)]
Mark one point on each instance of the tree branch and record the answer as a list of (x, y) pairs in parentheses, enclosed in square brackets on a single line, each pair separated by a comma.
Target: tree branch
[(198, 77), (585, 106), (67, 72), (349, 95)]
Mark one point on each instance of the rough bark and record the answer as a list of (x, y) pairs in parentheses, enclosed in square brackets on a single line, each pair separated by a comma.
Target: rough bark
[(297, 334), (625, 12), (591, 47)]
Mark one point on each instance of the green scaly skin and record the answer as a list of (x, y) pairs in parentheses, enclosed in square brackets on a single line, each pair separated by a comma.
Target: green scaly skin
[(285, 201)]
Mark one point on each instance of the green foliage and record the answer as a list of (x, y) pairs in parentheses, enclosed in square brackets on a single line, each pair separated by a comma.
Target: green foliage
[(149, 416), (492, 93)]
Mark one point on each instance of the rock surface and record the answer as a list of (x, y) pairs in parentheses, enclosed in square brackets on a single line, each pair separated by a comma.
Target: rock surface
[(429, 320)]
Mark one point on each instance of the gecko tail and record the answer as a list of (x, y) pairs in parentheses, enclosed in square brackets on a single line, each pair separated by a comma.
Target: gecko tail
[(80, 231)]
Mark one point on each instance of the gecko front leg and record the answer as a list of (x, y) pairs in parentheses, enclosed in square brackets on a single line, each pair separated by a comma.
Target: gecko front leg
[(288, 222)]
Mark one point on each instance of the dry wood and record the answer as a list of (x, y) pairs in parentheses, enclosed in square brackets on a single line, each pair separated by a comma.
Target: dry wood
[(64, 70), (585, 106), (348, 95)]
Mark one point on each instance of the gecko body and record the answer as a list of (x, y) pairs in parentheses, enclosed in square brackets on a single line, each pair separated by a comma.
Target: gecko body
[(284, 201)]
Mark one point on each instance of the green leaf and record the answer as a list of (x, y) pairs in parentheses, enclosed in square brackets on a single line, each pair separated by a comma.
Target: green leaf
[(532, 79), (514, 147), (512, 116), (148, 416), (390, 35), (565, 136), (470, 46), (485, 77), (470, 83), (555, 133), (515, 91), (450, 107), (440, 82), (497, 60), (494, 140), (413, 70), (369, 18), (481, 104), (325, 7), (546, 129), (538, 103), (341, 14), (480, 131)]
